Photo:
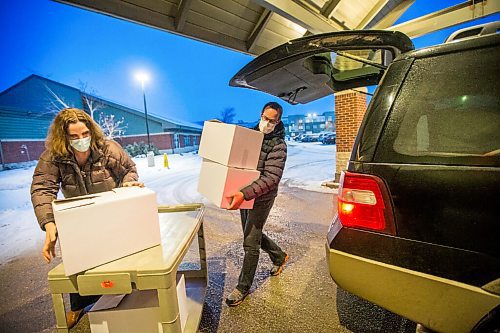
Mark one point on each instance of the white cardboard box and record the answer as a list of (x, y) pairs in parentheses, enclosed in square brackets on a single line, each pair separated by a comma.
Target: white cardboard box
[(218, 181), (136, 312), (98, 228), (230, 145)]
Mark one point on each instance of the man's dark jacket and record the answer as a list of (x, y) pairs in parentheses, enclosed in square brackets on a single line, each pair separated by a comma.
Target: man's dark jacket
[(271, 164)]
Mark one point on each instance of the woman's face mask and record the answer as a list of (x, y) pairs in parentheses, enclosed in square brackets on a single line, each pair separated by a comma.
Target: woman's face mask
[(82, 145)]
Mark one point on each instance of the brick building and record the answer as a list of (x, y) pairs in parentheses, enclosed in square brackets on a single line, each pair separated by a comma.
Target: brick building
[(350, 108), (309, 123), (28, 107)]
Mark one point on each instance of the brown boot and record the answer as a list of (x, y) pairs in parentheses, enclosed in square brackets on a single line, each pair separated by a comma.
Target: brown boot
[(72, 317)]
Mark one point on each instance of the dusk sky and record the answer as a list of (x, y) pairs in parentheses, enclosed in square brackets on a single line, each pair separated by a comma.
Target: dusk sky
[(189, 79)]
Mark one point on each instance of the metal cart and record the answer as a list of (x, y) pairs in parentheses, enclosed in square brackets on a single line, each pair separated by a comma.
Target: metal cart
[(154, 268)]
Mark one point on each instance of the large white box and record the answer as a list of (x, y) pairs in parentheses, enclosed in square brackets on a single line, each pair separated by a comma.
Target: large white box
[(98, 228), (137, 312), (230, 145), (218, 181)]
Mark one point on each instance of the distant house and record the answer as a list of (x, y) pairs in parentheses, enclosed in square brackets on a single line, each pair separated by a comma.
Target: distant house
[(28, 107)]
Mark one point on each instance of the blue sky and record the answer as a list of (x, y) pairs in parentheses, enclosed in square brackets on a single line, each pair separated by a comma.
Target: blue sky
[(189, 79)]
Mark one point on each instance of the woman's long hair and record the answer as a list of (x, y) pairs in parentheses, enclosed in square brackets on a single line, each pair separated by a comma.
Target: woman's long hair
[(57, 139)]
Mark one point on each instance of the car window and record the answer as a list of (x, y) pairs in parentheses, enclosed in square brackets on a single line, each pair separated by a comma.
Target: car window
[(350, 64), (448, 112)]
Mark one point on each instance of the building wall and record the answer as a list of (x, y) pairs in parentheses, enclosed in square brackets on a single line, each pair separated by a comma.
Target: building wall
[(15, 151), (163, 141), (33, 94), (27, 108), (299, 124), (134, 123), (350, 108), (23, 124), (160, 140)]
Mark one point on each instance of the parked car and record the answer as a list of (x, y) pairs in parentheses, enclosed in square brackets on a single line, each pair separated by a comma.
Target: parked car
[(321, 135), (310, 138), (329, 139), (417, 230), (299, 137)]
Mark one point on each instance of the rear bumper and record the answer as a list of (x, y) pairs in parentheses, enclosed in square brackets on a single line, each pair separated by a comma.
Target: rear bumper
[(440, 304)]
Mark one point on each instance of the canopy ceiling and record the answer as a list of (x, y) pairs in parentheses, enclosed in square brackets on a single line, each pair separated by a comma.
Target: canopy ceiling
[(255, 26)]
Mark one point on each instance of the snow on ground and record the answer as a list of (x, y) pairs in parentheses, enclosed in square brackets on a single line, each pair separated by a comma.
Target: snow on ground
[(308, 165)]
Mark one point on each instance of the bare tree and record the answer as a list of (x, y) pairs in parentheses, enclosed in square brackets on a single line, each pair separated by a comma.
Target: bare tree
[(227, 115), (55, 102), (111, 127), (90, 101)]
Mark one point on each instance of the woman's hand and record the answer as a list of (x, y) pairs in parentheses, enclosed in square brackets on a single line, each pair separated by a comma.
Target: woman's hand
[(134, 183), (49, 247)]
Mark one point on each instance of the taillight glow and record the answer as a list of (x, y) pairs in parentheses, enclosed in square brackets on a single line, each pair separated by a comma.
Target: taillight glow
[(362, 203)]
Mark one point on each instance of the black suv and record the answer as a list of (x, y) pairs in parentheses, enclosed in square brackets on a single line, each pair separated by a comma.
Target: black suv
[(418, 224)]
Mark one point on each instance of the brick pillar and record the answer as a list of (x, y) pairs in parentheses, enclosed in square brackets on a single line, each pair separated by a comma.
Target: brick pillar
[(350, 108)]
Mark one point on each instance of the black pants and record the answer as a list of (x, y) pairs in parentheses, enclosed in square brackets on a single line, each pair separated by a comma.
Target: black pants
[(254, 239), (78, 302)]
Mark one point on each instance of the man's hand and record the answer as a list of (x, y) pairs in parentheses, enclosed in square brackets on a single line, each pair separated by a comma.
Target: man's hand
[(236, 200), (49, 250), (134, 183)]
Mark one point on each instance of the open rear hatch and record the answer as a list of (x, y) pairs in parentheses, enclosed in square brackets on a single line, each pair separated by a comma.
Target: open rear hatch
[(309, 68)]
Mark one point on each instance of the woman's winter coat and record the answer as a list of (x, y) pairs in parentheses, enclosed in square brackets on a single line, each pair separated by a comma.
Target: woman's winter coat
[(107, 168)]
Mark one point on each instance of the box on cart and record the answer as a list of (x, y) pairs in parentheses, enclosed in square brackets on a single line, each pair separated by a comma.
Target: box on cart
[(218, 181), (136, 312), (98, 228), (230, 145)]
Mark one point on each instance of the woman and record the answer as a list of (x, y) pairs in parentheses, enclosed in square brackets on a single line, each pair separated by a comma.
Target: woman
[(78, 160)]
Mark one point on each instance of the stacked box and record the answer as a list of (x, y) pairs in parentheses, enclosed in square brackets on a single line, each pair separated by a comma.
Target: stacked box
[(231, 145), (230, 157), (99, 228)]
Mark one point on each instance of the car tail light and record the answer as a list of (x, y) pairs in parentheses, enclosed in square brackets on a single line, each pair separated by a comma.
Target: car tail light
[(364, 202)]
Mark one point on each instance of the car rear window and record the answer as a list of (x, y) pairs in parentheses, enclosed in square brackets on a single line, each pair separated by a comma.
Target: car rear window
[(447, 112)]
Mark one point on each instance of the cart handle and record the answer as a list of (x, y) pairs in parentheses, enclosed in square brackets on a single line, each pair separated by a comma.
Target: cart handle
[(180, 208)]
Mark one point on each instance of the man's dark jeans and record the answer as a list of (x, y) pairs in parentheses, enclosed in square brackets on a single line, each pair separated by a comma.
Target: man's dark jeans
[(254, 239)]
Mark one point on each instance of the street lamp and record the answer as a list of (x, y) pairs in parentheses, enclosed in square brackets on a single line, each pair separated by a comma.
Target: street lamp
[(143, 77)]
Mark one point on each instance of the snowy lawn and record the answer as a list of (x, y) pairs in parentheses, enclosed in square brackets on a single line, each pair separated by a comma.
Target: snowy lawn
[(307, 166)]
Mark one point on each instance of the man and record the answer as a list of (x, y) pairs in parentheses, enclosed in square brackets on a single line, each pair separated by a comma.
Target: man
[(263, 190)]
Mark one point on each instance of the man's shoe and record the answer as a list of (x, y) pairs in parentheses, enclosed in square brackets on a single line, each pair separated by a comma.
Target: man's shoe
[(72, 317), (276, 270), (235, 297)]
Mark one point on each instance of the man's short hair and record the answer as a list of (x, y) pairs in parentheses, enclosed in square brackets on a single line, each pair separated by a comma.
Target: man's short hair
[(275, 106)]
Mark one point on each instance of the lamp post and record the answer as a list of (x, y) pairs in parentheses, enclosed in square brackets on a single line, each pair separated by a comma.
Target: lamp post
[(143, 77)]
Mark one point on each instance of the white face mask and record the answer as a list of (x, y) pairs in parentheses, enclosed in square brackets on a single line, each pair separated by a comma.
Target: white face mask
[(82, 145), (266, 127)]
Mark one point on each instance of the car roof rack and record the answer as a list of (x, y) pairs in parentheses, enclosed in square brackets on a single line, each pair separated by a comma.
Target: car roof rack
[(474, 31)]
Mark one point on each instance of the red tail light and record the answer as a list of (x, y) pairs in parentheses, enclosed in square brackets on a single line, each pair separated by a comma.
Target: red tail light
[(363, 202)]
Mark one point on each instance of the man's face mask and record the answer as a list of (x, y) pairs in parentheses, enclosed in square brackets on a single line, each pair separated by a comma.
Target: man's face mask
[(82, 145), (267, 125)]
